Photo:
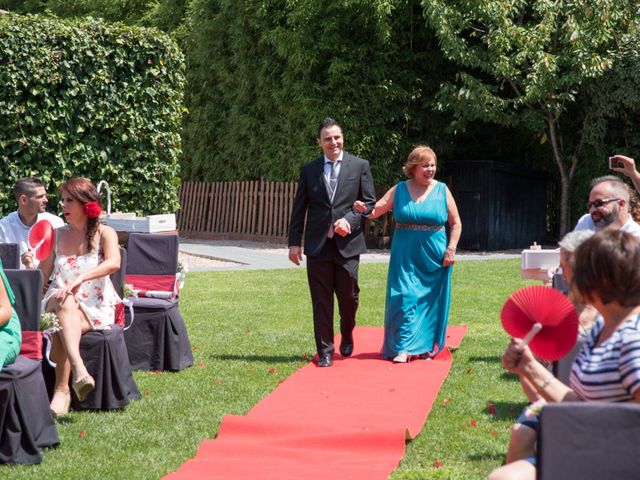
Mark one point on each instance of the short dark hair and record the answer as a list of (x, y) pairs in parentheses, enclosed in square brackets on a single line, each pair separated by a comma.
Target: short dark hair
[(608, 265), (26, 186), (616, 185), (326, 123)]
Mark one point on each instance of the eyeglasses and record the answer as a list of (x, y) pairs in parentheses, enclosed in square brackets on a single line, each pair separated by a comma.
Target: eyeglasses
[(600, 203)]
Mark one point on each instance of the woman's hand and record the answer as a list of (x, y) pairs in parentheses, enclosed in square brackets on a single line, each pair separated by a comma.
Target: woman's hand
[(359, 206), (70, 289), (449, 257), (517, 356), (27, 260)]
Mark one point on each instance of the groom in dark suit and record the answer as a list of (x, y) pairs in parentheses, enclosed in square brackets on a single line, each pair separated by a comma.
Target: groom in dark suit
[(333, 237)]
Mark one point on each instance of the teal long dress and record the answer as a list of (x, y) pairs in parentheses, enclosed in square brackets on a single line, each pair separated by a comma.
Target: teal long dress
[(418, 286), (10, 333)]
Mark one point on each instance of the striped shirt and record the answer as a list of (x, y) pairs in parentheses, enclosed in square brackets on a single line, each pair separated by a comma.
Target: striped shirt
[(609, 372)]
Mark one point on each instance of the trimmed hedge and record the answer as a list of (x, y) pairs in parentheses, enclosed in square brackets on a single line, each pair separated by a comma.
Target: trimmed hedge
[(87, 98), (263, 74)]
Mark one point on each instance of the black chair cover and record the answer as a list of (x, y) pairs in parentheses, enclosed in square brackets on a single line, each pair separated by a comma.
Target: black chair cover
[(27, 288), (117, 278), (26, 424), (562, 368), (158, 338), (105, 356), (152, 254), (589, 441), (10, 255)]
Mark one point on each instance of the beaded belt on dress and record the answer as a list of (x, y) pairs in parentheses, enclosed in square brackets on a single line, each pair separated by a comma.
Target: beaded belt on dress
[(418, 226)]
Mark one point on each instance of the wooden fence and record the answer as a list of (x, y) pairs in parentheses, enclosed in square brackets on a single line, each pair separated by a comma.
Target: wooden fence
[(251, 210)]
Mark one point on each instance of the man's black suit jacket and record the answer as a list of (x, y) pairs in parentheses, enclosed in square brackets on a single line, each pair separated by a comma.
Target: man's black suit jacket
[(354, 183)]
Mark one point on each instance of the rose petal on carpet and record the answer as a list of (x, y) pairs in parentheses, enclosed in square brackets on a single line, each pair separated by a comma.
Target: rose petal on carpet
[(349, 421)]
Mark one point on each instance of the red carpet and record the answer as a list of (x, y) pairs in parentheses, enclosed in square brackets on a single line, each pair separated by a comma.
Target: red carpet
[(349, 421)]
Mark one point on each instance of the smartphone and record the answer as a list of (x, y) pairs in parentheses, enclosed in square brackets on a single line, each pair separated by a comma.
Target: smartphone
[(613, 163)]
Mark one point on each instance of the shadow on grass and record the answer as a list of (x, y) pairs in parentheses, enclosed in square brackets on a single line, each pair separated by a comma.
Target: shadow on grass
[(493, 456), (509, 376), (259, 358), (492, 358)]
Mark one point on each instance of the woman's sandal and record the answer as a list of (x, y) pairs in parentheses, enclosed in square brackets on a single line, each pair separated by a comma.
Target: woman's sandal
[(60, 402), (84, 386), (401, 358)]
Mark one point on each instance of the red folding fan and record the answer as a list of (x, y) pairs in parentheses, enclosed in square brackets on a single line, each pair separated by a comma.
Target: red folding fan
[(41, 238), (544, 318)]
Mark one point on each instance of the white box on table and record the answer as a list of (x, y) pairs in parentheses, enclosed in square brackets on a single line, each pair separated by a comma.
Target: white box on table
[(535, 264), (148, 224)]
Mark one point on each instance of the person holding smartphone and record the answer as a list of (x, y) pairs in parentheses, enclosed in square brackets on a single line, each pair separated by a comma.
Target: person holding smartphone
[(627, 166), (608, 207)]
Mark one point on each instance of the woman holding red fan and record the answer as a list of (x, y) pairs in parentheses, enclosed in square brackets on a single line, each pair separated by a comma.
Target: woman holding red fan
[(605, 275), (80, 292)]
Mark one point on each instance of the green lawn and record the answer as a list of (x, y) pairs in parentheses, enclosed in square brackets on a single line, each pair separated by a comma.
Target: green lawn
[(249, 330)]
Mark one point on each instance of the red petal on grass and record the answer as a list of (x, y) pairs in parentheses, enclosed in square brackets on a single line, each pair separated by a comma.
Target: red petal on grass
[(158, 372), (494, 433), (272, 370), (281, 380), (437, 464), (201, 365), (81, 434), (218, 382), (306, 356), (491, 410), (473, 423)]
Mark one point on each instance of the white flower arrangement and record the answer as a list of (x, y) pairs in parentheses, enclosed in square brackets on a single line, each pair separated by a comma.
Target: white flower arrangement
[(181, 274), (129, 291), (49, 322)]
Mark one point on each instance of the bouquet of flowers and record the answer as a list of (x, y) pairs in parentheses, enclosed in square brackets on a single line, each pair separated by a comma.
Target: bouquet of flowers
[(49, 322), (128, 290), (181, 274)]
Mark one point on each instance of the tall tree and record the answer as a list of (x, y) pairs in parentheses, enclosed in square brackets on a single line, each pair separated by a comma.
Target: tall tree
[(531, 63)]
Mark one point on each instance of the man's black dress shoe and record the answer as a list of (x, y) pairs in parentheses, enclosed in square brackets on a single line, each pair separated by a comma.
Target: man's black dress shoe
[(325, 361), (346, 348)]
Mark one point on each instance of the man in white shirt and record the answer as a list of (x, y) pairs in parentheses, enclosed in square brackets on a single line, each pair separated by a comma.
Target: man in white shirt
[(608, 207), (32, 200)]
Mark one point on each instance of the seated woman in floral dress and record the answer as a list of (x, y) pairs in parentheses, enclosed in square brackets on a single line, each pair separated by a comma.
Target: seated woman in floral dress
[(80, 292)]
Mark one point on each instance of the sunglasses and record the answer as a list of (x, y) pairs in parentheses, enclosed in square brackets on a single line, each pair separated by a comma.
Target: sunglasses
[(600, 203)]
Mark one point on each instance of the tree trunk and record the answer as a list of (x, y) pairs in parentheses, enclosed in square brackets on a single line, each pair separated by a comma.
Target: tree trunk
[(565, 189), (565, 176)]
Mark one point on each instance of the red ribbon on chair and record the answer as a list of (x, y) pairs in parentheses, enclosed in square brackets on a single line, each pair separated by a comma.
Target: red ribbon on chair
[(153, 285), (31, 344)]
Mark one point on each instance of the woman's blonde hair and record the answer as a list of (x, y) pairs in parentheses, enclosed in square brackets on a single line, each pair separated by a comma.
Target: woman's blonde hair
[(418, 156)]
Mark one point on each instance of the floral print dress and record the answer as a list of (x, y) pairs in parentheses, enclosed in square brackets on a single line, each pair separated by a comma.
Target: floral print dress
[(97, 297)]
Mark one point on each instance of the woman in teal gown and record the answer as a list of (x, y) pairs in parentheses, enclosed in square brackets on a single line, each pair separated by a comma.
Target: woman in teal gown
[(10, 333), (419, 279)]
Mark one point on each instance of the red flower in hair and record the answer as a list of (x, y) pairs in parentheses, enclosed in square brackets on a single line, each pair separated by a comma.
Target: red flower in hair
[(92, 209)]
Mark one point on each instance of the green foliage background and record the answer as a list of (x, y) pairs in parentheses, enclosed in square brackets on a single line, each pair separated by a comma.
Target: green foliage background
[(88, 98), (261, 74)]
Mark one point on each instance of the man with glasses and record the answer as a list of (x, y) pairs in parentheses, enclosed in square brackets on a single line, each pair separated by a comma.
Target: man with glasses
[(608, 207)]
